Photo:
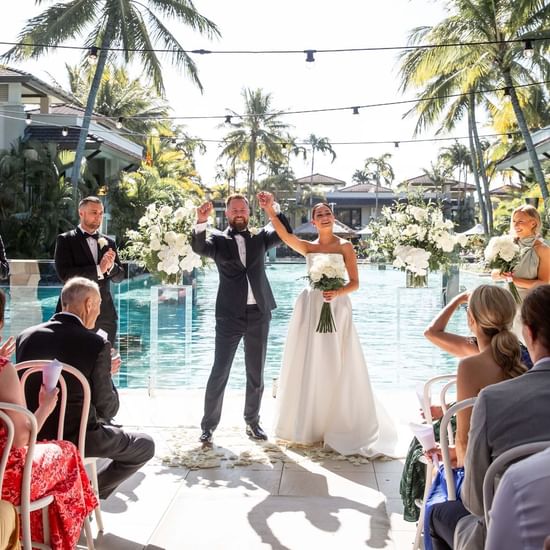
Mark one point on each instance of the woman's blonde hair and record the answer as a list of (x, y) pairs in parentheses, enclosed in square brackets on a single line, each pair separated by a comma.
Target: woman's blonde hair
[(494, 309), (530, 211)]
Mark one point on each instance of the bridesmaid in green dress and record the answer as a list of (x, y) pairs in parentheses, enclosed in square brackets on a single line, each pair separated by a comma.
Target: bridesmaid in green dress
[(533, 268)]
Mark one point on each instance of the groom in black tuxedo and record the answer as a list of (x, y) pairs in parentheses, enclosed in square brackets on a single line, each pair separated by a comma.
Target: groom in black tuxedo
[(85, 252), (243, 307)]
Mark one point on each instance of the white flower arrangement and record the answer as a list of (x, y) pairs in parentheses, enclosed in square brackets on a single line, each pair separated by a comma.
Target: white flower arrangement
[(502, 253), (327, 272), (162, 242), (414, 237)]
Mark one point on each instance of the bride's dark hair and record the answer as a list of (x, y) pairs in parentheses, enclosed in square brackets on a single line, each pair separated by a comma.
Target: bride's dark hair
[(318, 205)]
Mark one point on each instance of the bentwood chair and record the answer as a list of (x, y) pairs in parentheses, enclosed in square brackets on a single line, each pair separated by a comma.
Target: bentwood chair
[(427, 401), (500, 464), (26, 505), (30, 367)]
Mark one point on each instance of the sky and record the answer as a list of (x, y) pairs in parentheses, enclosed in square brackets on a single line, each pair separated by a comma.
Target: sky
[(334, 80)]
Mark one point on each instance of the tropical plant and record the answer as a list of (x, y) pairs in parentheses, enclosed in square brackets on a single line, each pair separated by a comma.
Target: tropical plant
[(315, 144), (257, 134), (120, 97), (453, 78), (132, 26), (379, 169)]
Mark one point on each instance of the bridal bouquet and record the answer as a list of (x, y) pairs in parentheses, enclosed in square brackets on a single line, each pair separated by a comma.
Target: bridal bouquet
[(326, 273), (414, 237), (502, 253), (162, 242)]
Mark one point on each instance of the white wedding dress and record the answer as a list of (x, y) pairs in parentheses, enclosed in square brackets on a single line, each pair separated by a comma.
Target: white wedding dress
[(324, 392)]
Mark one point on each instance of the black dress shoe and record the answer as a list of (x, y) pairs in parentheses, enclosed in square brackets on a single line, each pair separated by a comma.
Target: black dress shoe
[(206, 436), (254, 431)]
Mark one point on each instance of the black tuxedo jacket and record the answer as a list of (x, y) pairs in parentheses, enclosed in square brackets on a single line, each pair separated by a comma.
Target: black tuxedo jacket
[(65, 338), (73, 258), (4, 265), (233, 287)]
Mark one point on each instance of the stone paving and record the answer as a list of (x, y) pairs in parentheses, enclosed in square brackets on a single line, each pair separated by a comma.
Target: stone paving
[(245, 495)]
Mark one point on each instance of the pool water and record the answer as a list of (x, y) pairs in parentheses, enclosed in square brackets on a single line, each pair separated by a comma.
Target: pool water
[(389, 318)]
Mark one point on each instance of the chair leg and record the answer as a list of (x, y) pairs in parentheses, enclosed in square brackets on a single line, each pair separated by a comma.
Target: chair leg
[(95, 485), (420, 526), (46, 525), (89, 535)]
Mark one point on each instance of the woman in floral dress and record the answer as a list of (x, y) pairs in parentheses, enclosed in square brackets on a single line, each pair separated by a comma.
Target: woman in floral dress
[(57, 466)]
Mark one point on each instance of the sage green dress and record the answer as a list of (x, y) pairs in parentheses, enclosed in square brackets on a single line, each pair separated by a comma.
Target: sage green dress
[(527, 268)]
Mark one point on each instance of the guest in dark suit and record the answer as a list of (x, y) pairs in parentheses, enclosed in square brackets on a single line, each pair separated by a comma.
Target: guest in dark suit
[(243, 307), (68, 338), (4, 265), (85, 252)]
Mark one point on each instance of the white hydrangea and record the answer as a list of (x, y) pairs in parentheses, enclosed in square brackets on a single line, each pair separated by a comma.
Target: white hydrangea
[(503, 246)]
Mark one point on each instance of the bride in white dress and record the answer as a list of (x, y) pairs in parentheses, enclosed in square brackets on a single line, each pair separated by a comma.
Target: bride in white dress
[(324, 392)]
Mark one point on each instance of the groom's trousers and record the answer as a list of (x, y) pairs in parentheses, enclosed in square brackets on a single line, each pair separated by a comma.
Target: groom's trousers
[(253, 327)]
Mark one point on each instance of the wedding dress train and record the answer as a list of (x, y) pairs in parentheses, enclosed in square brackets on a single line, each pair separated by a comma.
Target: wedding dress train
[(324, 392)]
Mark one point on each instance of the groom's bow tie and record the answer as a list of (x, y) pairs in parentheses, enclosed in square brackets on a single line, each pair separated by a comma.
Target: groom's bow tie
[(245, 233), (93, 235)]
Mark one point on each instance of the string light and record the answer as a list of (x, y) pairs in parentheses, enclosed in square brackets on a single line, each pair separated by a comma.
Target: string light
[(28, 120), (396, 145), (309, 56), (174, 141), (202, 51), (507, 96), (355, 110), (65, 131), (119, 122), (528, 50), (228, 119), (92, 56)]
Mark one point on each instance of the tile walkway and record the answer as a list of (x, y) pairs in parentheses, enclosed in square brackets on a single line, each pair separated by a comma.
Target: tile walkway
[(244, 495)]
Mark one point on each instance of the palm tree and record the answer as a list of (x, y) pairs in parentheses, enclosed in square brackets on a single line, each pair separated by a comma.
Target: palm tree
[(121, 97), (457, 157), (320, 144), (379, 168), (472, 67), (257, 134), (134, 26)]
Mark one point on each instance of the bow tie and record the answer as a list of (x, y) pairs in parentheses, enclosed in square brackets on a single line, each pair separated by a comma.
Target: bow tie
[(244, 233), (94, 236)]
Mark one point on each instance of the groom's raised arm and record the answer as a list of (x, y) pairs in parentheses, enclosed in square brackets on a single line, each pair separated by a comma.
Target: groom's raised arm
[(199, 243)]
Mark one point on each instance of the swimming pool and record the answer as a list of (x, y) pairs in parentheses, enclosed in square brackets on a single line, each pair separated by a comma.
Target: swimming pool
[(389, 318)]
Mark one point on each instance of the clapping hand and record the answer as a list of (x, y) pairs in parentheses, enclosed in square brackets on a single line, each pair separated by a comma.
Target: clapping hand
[(8, 347), (107, 261), (203, 211)]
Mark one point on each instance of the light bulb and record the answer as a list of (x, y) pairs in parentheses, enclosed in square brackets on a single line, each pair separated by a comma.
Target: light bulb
[(528, 50), (92, 56), (119, 122), (65, 131), (28, 120)]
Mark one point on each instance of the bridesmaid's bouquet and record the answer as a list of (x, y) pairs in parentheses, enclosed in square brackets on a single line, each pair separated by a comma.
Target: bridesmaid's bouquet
[(502, 253), (326, 273)]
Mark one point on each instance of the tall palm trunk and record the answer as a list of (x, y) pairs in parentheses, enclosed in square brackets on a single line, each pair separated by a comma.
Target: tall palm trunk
[(90, 104), (475, 169), (482, 171), (311, 178), (251, 173), (529, 146)]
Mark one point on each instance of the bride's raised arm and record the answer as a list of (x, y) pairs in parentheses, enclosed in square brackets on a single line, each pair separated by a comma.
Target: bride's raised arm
[(266, 200)]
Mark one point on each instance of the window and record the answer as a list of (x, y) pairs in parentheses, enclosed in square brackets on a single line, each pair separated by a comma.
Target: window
[(349, 216)]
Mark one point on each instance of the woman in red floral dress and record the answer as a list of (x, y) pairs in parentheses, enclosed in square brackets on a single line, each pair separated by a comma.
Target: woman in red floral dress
[(57, 466)]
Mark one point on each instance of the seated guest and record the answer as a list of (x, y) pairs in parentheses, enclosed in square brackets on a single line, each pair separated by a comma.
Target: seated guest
[(520, 514), (68, 338), (9, 527), (505, 415), (491, 356), (57, 466)]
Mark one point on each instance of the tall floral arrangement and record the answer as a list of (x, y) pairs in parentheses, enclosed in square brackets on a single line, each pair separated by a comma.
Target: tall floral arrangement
[(161, 243), (415, 237)]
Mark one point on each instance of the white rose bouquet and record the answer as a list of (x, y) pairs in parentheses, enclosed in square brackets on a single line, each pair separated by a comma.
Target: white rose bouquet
[(326, 273), (502, 253), (414, 237), (162, 242)]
